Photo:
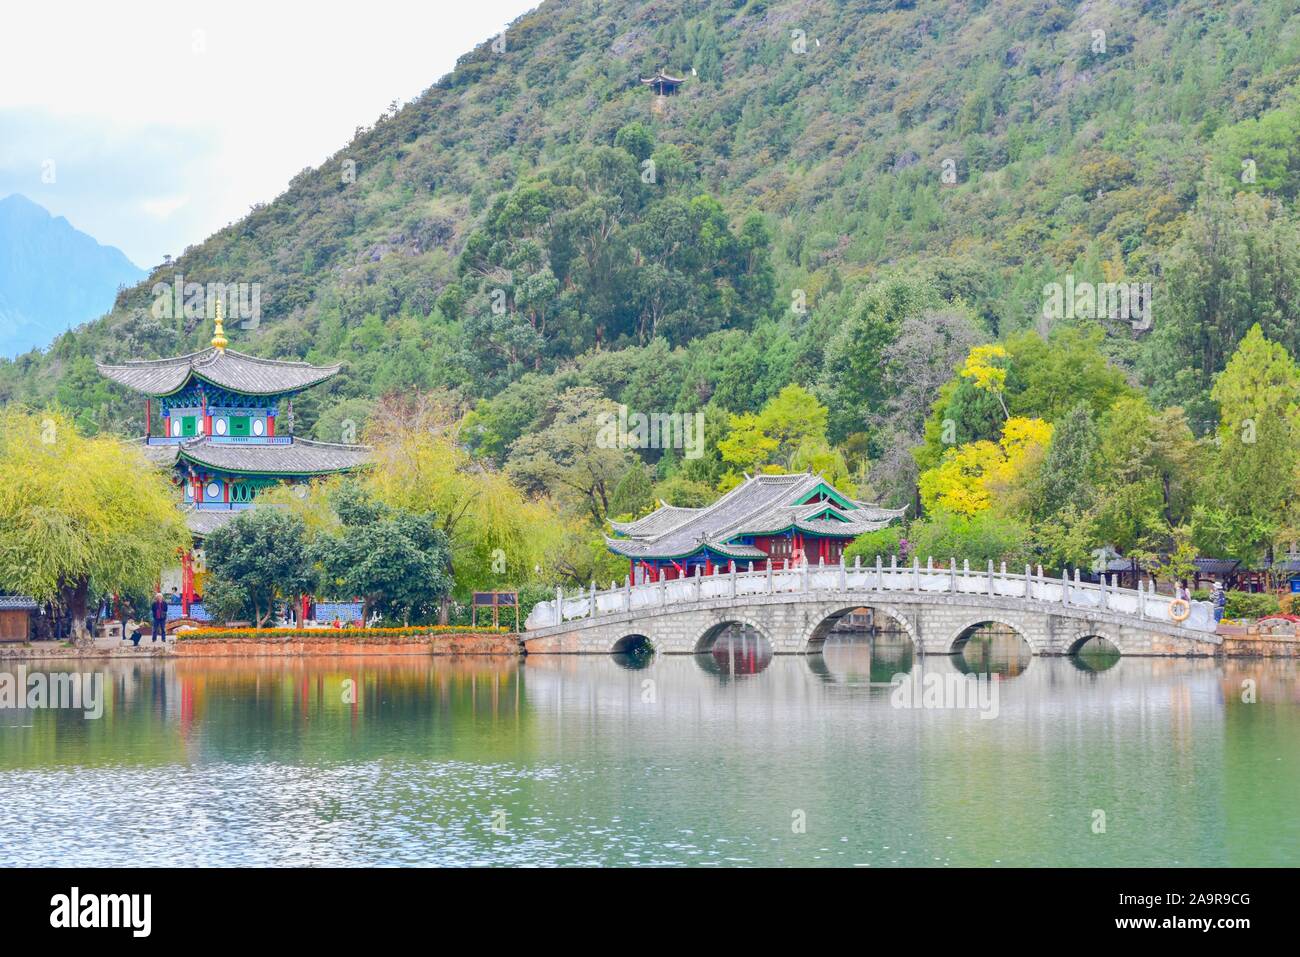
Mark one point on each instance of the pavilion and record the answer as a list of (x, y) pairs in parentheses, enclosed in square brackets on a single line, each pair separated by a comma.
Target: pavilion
[(227, 430), (662, 83), (767, 519)]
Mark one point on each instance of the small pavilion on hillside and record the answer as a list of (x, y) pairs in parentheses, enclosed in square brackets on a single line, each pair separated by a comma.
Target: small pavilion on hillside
[(766, 520), (662, 83)]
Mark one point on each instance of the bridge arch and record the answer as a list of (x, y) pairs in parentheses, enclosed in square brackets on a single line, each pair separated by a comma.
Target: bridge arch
[(1086, 635), (704, 639), (826, 619), (958, 638), (633, 643)]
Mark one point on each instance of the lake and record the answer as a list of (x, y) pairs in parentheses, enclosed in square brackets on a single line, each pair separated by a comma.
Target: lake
[(730, 758)]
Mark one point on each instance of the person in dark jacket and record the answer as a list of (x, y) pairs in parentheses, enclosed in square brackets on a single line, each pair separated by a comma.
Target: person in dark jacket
[(159, 609), (1220, 599)]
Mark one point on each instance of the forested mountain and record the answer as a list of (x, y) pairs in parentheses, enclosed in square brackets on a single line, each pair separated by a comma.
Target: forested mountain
[(843, 195), (52, 276)]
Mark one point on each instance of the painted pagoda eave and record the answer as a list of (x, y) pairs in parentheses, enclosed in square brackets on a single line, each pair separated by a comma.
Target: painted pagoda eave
[(221, 368)]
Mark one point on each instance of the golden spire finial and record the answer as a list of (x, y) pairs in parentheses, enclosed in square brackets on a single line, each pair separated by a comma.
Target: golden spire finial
[(219, 340)]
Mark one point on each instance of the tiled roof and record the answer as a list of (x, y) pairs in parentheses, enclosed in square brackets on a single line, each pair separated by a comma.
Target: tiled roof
[(302, 457), (1216, 566), (17, 603), (203, 522), (161, 454), (229, 370), (761, 505)]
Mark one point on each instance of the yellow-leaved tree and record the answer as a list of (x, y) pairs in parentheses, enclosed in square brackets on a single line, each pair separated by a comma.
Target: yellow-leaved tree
[(969, 478), (986, 367), (499, 537), (80, 517)]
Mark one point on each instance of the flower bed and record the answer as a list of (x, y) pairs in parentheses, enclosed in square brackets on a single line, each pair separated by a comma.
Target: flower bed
[(332, 634)]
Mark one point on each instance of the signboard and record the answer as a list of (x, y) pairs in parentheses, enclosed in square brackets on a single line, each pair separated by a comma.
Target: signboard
[(496, 600)]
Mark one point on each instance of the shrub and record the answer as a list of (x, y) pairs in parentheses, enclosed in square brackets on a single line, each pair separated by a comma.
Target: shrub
[(1245, 604), (230, 634)]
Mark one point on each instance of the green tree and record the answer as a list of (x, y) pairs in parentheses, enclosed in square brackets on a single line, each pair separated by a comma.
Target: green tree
[(1253, 481), (1068, 472), (80, 516), (1234, 266), (396, 561), (787, 434), (263, 553)]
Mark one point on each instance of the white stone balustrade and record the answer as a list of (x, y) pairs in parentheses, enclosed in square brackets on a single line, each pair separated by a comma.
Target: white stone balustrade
[(998, 585)]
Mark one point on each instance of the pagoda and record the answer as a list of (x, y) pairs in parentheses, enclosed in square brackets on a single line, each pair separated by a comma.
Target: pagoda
[(767, 520), (227, 431)]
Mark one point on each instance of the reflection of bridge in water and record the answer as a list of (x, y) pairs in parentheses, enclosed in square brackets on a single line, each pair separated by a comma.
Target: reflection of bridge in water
[(796, 609)]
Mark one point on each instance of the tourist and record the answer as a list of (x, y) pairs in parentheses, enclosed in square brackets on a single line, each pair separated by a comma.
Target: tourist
[(159, 610), (136, 633), (1183, 592), (1220, 600)]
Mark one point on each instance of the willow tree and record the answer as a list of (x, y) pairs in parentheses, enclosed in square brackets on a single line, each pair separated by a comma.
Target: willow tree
[(80, 516), (497, 535)]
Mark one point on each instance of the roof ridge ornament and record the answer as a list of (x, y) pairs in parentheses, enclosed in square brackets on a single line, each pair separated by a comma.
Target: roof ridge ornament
[(219, 340)]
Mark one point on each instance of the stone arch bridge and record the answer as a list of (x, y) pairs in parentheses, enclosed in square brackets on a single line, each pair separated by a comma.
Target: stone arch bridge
[(795, 608)]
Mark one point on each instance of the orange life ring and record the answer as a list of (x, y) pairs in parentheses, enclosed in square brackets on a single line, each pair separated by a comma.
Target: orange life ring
[(1186, 608)]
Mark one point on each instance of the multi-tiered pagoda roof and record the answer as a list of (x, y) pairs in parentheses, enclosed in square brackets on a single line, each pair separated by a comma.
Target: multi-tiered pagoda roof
[(222, 430)]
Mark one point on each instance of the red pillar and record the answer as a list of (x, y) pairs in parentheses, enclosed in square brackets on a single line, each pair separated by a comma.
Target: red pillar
[(270, 426)]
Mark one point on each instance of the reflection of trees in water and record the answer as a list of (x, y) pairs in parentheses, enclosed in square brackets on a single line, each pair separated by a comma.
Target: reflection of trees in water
[(326, 707), (1095, 655), (876, 656), (990, 649)]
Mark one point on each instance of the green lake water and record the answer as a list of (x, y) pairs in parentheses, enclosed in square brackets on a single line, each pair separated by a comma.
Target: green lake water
[(732, 758)]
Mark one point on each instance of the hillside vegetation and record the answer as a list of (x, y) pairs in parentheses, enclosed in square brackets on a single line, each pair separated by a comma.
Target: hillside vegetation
[(849, 199)]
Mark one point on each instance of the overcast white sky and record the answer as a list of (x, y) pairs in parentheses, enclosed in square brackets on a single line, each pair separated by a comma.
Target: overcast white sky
[(163, 121)]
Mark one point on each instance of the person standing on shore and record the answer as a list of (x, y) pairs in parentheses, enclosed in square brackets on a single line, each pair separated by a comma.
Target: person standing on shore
[(159, 610), (1220, 600)]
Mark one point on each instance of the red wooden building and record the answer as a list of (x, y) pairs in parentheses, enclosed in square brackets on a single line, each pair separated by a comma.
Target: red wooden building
[(766, 519)]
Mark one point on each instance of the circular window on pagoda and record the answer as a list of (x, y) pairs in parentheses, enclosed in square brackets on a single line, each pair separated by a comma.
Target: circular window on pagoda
[(176, 427), (258, 426), (214, 490), (220, 426)]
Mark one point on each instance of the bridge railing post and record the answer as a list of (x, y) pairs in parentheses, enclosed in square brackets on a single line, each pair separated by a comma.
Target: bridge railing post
[(952, 574), (591, 601), (1029, 584), (1065, 587), (844, 574), (732, 566), (770, 584), (991, 586), (880, 576)]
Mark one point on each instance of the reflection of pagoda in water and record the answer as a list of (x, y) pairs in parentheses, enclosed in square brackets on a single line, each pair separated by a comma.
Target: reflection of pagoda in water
[(226, 427)]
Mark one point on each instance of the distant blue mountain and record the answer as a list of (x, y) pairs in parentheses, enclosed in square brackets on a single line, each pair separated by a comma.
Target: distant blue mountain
[(52, 277)]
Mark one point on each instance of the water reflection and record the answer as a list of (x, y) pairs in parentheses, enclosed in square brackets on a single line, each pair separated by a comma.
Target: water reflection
[(736, 651), (673, 759)]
